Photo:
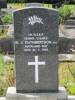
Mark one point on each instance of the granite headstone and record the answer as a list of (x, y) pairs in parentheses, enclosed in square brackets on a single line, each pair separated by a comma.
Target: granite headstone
[(36, 48), (3, 4)]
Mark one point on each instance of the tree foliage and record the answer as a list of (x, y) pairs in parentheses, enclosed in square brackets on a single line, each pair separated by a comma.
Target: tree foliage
[(46, 1)]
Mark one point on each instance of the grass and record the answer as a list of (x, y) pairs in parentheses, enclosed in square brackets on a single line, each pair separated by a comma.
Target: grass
[(72, 90), (6, 75), (7, 18), (67, 76), (22, 5), (16, 5), (3, 33), (65, 12)]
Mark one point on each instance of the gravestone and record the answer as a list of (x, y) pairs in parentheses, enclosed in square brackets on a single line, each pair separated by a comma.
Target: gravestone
[(36, 55), (3, 4), (36, 48)]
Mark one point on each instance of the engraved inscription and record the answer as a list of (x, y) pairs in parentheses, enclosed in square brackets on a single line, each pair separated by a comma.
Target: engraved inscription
[(36, 42)]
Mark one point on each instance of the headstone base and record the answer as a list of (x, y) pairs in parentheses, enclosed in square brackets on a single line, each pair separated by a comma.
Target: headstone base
[(12, 95)]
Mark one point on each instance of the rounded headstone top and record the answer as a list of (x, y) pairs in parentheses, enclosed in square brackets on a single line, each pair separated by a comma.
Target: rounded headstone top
[(33, 5)]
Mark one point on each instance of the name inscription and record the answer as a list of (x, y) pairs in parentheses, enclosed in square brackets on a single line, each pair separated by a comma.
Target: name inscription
[(36, 42)]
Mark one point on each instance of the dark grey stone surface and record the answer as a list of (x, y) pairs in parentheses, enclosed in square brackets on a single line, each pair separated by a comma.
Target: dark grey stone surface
[(36, 59), (6, 45), (3, 4), (66, 46)]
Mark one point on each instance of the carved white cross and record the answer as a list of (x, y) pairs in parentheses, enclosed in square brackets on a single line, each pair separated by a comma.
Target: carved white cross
[(36, 64)]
